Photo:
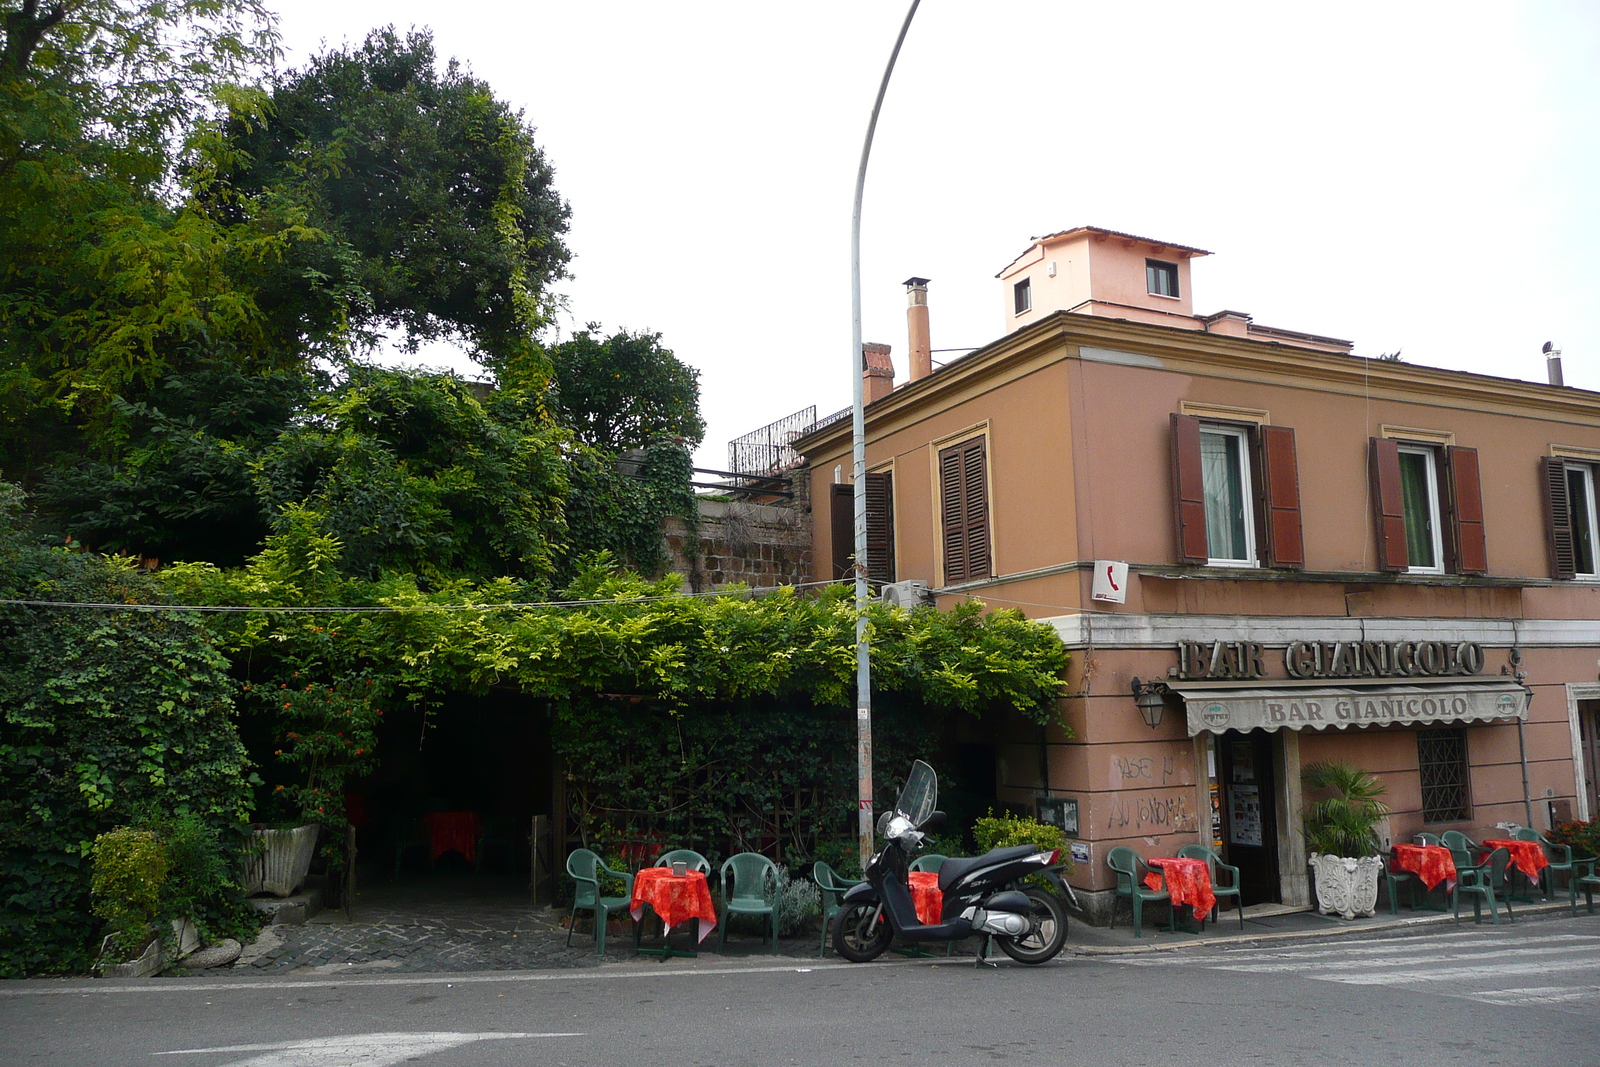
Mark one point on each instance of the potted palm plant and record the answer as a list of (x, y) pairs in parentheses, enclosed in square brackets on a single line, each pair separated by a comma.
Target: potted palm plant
[(1341, 827)]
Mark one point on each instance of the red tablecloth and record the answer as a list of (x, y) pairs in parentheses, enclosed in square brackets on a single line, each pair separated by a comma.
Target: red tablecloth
[(1430, 863), (1528, 856), (674, 899), (1189, 882), (926, 896), (453, 830)]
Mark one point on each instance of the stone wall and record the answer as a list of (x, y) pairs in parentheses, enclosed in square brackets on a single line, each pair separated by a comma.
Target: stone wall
[(760, 545)]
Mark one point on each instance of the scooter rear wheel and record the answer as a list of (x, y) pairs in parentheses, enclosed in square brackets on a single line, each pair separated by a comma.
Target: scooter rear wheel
[(1049, 933), (861, 932)]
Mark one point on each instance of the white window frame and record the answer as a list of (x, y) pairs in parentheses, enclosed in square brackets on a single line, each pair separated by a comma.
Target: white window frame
[(1022, 294), (1587, 473), (1241, 437), (1434, 508), (1161, 266)]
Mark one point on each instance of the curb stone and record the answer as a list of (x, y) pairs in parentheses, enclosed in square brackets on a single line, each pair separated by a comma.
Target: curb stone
[(1398, 926)]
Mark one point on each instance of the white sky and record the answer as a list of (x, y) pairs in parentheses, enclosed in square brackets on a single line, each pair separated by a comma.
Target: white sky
[(1413, 176)]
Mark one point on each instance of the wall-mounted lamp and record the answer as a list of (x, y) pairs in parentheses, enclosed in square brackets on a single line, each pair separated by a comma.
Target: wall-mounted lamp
[(1151, 698)]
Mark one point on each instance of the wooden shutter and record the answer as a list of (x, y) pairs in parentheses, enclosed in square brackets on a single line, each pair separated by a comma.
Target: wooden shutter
[(1188, 490), (1558, 519), (1388, 506), (880, 527), (1280, 477), (1469, 551), (842, 521), (964, 510)]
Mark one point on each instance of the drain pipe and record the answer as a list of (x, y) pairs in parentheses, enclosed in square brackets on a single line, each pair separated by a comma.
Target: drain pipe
[(1522, 739)]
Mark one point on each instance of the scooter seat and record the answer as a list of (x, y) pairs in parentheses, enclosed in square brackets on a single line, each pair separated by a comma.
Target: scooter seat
[(951, 870)]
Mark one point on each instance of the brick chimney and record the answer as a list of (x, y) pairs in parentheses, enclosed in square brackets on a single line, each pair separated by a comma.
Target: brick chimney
[(917, 327), (877, 374)]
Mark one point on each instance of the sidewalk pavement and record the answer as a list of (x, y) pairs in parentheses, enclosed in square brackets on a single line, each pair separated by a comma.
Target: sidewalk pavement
[(478, 926)]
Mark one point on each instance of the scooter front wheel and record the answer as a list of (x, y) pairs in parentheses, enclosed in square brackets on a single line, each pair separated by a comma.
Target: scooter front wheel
[(861, 932), (1048, 934)]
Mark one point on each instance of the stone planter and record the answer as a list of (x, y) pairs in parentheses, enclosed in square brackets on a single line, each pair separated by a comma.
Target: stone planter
[(148, 963), (276, 861), (1346, 887)]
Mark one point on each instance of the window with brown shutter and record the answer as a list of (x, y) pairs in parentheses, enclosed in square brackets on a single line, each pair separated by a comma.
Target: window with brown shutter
[(1469, 552), (842, 525), (964, 511), (1188, 490), (1280, 477), (880, 527), (1388, 511), (1558, 515)]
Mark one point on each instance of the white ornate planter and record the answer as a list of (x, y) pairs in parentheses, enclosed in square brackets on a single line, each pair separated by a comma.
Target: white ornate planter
[(276, 861), (1346, 887)]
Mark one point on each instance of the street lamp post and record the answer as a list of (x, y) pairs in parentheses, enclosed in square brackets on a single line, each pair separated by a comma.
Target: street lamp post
[(858, 442)]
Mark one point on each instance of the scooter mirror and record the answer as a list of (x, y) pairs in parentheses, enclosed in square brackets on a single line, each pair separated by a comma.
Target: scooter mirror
[(934, 821)]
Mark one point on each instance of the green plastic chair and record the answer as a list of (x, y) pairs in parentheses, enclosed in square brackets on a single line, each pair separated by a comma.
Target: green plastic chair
[(1395, 880), (1558, 856), (1426, 839), (1214, 861), (1584, 878), (1130, 870), (585, 869), (833, 886), (1485, 882), (1455, 840), (688, 856), (931, 862), (753, 891)]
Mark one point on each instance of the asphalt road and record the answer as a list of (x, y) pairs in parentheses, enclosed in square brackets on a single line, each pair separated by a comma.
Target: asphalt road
[(1523, 995)]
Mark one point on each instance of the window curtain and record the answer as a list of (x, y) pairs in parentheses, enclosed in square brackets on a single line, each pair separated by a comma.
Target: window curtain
[(1224, 481), (1419, 516)]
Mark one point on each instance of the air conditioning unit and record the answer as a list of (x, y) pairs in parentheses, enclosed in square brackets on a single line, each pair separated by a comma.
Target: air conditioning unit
[(909, 594)]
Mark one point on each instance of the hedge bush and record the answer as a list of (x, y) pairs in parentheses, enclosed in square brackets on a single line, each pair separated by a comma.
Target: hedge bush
[(106, 716)]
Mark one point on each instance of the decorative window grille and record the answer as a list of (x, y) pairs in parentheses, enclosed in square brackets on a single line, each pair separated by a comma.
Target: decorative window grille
[(1442, 759)]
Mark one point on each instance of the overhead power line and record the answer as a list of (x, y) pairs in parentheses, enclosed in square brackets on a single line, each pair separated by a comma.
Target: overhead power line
[(389, 609)]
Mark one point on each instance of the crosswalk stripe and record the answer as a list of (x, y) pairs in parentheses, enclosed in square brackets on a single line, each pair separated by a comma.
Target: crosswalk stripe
[(1545, 994), (1454, 974), (1345, 949), (1390, 961)]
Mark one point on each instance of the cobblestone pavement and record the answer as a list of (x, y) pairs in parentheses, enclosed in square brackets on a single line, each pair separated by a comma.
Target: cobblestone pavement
[(461, 924)]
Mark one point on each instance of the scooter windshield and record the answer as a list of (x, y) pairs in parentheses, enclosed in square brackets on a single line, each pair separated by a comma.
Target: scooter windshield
[(920, 795)]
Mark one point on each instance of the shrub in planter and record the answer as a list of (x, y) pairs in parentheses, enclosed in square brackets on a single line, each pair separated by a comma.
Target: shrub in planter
[(799, 903), (1582, 837), (1341, 829), (130, 871), (1005, 830), (164, 871)]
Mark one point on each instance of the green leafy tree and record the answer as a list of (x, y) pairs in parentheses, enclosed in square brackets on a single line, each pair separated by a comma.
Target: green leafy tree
[(111, 274), (410, 471), (182, 483), (626, 390), (435, 185)]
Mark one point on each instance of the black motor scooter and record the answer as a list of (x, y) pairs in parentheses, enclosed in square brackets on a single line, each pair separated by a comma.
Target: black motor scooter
[(1029, 925)]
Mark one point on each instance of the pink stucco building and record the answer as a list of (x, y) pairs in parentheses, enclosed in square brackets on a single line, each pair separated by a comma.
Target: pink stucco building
[(1327, 557)]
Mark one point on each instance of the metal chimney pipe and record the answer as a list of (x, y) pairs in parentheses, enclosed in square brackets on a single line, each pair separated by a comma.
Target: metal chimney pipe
[(917, 327), (1552, 363)]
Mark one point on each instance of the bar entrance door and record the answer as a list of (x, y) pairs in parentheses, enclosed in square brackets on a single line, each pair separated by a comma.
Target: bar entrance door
[(1249, 813)]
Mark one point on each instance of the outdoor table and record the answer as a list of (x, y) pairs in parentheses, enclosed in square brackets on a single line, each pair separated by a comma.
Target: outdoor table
[(1188, 882), (1527, 856), (1431, 864), (675, 899), (926, 896), (453, 831)]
